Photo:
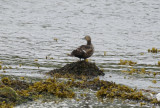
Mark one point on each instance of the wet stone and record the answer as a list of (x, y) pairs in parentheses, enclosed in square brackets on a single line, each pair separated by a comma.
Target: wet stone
[(84, 68)]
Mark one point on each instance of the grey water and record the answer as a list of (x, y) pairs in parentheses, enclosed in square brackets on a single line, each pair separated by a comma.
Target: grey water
[(124, 29)]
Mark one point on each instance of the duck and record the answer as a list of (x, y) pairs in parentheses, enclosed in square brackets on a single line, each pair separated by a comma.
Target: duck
[(84, 51)]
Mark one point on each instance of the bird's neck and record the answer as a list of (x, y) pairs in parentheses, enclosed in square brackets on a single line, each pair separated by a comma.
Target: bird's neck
[(89, 42)]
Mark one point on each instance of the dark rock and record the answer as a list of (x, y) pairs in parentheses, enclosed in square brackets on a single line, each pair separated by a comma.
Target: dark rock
[(79, 68)]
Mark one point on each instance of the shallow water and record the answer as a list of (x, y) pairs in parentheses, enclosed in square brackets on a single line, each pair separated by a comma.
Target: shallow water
[(125, 29)]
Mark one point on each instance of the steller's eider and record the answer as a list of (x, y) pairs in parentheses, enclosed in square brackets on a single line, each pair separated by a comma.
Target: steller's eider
[(84, 51)]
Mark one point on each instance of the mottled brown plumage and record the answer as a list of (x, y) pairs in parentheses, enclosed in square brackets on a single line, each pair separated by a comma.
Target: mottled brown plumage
[(84, 51)]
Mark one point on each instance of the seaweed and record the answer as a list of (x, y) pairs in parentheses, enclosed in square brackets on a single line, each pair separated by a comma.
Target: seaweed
[(153, 50), (127, 62), (14, 92), (80, 68)]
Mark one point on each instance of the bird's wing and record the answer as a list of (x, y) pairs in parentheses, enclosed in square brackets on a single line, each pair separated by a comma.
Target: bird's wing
[(82, 51), (86, 49), (78, 52)]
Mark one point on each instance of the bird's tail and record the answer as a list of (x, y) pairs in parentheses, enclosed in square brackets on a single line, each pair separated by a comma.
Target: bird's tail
[(70, 55)]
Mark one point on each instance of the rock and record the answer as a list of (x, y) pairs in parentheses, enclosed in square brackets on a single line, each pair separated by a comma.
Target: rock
[(79, 68), (8, 94), (158, 97)]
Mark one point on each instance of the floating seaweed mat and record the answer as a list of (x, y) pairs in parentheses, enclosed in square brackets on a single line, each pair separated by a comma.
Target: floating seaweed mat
[(79, 68)]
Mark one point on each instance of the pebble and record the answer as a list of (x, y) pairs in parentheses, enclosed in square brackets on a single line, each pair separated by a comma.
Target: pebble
[(158, 97)]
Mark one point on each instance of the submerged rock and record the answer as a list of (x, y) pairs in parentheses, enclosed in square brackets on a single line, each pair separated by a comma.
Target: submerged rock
[(79, 68)]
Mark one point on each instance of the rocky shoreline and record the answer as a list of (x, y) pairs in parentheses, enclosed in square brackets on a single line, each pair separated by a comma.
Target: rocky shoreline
[(77, 75)]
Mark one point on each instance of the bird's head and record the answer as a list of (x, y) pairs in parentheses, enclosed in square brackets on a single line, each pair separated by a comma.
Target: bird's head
[(87, 38)]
